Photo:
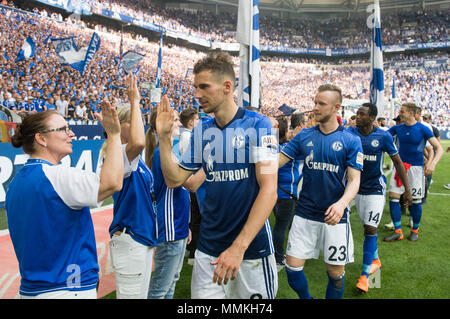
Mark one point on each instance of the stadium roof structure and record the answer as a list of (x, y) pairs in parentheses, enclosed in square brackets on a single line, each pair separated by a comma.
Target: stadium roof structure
[(316, 6)]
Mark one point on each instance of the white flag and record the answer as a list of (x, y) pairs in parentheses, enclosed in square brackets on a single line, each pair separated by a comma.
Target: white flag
[(249, 84)]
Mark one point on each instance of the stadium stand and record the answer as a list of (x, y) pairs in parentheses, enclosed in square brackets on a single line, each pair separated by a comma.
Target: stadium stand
[(413, 73)]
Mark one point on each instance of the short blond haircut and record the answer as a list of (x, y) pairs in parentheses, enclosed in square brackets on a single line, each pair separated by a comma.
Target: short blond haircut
[(333, 88)]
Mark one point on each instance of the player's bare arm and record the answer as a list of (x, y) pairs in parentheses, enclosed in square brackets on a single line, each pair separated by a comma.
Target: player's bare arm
[(174, 175), (335, 212), (230, 260), (431, 165), (282, 160), (195, 181)]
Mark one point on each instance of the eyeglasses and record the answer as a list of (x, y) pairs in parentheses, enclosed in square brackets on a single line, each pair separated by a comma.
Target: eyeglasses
[(66, 129)]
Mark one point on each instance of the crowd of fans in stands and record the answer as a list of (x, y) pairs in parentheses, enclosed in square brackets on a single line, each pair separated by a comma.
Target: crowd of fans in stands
[(410, 27), (41, 82)]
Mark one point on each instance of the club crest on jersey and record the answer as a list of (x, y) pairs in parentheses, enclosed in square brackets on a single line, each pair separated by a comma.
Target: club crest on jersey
[(238, 141), (337, 146), (375, 143)]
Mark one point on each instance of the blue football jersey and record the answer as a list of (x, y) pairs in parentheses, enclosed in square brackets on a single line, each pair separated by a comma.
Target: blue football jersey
[(412, 140), (173, 206), (374, 145), (325, 168), (133, 206), (228, 156), (51, 227)]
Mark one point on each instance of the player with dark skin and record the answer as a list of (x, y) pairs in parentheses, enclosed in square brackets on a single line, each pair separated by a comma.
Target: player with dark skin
[(364, 123)]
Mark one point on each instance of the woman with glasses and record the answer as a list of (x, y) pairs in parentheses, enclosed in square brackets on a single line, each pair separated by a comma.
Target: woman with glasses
[(47, 206)]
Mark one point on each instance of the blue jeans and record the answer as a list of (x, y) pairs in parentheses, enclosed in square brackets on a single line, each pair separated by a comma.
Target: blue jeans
[(168, 260), (284, 211)]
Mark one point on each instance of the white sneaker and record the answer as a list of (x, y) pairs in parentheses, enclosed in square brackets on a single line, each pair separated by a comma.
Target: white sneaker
[(447, 186), (389, 226)]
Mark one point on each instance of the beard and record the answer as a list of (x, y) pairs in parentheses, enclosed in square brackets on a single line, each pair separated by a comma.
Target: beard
[(324, 118)]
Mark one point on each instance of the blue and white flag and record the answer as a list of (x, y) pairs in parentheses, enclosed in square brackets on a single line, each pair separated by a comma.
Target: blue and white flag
[(27, 51), (68, 53), (158, 70), (249, 87), (393, 87), (130, 61), (376, 62)]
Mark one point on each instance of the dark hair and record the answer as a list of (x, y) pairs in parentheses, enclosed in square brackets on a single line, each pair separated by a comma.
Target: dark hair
[(373, 111), (297, 119), (282, 129), (353, 117), (186, 115), (25, 131), (219, 63)]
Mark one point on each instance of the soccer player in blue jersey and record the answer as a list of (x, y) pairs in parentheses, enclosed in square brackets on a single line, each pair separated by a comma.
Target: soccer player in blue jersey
[(331, 174), (133, 228), (47, 205), (412, 137), (237, 150), (371, 196)]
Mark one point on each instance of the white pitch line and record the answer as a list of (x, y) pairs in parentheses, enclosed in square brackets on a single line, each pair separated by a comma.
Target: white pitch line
[(441, 194)]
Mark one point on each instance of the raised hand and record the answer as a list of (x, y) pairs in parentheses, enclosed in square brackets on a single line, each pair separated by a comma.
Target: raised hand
[(164, 118), (108, 118), (132, 89)]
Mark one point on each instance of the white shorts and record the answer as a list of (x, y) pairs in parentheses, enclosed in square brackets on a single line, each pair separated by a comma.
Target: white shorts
[(308, 237), (416, 180), (65, 294), (256, 279), (370, 208), (132, 264)]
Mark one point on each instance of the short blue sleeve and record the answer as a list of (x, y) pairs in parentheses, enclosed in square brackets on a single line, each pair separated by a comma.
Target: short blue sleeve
[(389, 146), (192, 158), (355, 155), (293, 149)]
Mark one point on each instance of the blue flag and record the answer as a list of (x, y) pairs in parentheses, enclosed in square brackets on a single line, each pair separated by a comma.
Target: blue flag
[(68, 53), (130, 61), (286, 109), (393, 87), (158, 70), (249, 87), (27, 51), (376, 62)]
